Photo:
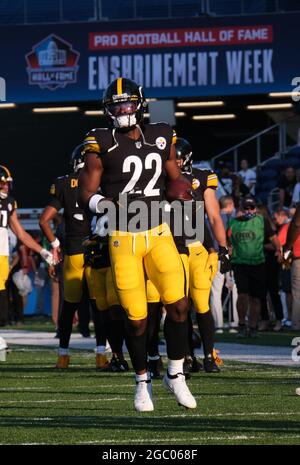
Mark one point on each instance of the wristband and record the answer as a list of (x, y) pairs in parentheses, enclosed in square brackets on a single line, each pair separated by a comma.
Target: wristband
[(55, 243), (93, 202)]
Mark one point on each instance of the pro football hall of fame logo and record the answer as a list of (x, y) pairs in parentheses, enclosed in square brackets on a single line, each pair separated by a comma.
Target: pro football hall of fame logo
[(52, 63)]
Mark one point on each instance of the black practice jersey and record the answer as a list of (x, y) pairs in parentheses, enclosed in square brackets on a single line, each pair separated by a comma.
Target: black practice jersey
[(133, 166), (63, 194), (200, 180), (7, 206)]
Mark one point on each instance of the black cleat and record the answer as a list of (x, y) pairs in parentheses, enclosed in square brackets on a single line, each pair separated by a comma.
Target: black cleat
[(187, 366), (191, 365), (196, 365), (242, 332), (155, 367), (209, 364), (116, 365), (253, 334)]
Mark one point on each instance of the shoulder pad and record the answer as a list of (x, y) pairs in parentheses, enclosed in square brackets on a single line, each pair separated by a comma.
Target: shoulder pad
[(11, 201), (156, 130), (96, 140), (208, 178)]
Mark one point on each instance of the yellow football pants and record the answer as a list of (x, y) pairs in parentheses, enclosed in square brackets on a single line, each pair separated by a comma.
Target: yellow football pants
[(153, 294), (101, 287), (73, 273), (156, 251), (202, 269), (100, 283), (4, 271)]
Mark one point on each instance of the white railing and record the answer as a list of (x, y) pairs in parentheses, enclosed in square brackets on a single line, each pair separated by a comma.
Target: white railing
[(239, 151)]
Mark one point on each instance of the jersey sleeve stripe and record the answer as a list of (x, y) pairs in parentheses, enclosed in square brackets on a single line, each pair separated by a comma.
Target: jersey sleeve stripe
[(91, 148), (212, 182)]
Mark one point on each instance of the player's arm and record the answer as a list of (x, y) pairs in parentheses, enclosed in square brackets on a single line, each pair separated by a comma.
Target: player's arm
[(213, 212), (24, 258), (55, 203), (89, 182), (26, 239), (294, 230), (46, 217)]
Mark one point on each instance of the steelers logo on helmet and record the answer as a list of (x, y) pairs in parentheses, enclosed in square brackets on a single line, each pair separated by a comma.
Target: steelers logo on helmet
[(5, 182), (161, 143), (124, 103), (77, 158), (184, 152)]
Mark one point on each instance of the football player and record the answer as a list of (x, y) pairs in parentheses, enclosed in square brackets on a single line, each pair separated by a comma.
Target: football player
[(9, 218), (135, 159), (102, 289), (63, 194), (202, 259)]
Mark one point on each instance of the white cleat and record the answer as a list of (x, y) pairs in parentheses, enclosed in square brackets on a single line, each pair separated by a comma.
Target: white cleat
[(143, 397), (298, 391), (179, 388)]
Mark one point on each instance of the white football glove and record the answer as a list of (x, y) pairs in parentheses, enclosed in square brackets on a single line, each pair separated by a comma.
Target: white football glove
[(47, 256)]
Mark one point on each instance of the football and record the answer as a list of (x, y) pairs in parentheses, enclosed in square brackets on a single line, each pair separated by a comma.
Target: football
[(180, 189)]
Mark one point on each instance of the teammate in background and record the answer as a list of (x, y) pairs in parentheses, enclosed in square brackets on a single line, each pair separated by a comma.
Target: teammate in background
[(154, 309), (9, 218), (135, 159), (102, 290), (63, 194), (203, 259)]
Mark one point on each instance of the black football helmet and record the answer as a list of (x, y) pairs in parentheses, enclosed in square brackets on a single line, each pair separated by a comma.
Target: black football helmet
[(124, 103), (5, 182), (77, 158), (184, 152)]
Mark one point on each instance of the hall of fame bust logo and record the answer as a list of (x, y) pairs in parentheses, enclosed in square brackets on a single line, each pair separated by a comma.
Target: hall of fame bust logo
[(52, 63)]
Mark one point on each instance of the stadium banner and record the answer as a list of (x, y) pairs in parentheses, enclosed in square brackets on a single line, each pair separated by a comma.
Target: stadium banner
[(194, 57)]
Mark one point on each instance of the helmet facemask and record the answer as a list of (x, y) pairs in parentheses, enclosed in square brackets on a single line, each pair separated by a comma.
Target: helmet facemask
[(124, 115), (124, 104), (77, 159)]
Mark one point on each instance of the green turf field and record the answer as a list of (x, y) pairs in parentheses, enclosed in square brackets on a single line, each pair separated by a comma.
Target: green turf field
[(245, 404), (270, 338)]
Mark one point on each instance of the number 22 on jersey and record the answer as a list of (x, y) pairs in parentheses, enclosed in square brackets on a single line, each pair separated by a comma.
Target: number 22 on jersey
[(151, 158)]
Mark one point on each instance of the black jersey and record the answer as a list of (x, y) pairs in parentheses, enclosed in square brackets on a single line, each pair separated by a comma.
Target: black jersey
[(200, 180), (7, 207), (133, 166), (63, 194)]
